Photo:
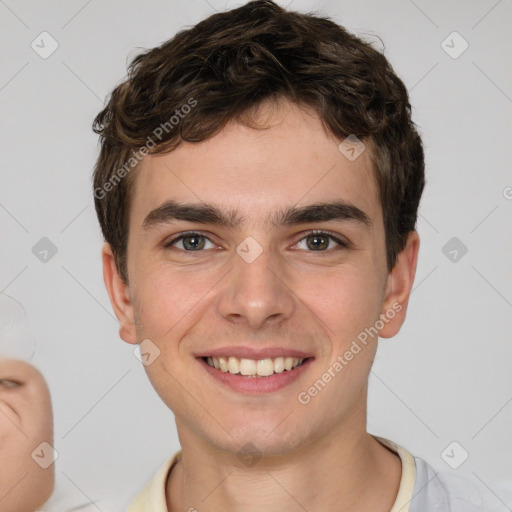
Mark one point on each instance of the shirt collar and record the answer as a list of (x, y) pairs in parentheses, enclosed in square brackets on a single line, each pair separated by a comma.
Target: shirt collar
[(152, 497)]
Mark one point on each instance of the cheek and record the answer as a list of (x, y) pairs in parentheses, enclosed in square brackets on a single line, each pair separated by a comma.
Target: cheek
[(347, 300), (36, 411), (348, 303), (166, 298), (12, 457), (8, 415), (166, 305), (43, 428), (17, 444)]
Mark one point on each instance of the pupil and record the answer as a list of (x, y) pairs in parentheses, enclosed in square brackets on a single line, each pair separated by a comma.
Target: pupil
[(318, 242), (194, 242)]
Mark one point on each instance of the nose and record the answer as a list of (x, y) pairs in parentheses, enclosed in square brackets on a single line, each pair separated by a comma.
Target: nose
[(256, 293)]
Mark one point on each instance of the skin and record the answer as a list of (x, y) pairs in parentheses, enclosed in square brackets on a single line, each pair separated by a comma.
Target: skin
[(26, 421), (316, 456)]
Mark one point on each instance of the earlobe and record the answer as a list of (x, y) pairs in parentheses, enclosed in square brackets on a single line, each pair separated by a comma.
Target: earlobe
[(119, 294), (399, 286)]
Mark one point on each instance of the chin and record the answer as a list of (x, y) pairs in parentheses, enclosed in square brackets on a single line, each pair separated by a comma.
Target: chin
[(269, 436)]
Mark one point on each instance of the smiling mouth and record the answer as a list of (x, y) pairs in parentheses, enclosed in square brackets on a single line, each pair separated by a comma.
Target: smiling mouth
[(255, 368)]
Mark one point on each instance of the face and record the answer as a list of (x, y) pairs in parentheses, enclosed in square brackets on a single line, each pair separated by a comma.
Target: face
[(276, 267), (25, 423)]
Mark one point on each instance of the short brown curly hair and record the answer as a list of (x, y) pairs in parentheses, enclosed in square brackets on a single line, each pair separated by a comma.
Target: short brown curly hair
[(221, 69)]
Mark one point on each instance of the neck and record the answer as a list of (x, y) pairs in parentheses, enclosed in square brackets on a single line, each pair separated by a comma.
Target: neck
[(342, 472)]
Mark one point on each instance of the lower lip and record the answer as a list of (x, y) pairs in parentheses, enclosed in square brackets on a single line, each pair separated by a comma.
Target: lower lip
[(256, 385)]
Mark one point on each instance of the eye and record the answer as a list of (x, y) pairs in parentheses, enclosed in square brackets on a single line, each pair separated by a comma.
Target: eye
[(4, 383), (191, 242), (320, 241)]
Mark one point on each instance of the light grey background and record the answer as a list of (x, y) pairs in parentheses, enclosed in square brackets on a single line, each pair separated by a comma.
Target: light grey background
[(446, 377)]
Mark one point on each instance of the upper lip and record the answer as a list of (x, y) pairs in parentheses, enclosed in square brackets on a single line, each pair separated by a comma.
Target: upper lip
[(254, 353)]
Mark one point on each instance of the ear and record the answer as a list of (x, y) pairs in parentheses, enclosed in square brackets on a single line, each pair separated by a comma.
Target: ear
[(119, 293), (398, 287)]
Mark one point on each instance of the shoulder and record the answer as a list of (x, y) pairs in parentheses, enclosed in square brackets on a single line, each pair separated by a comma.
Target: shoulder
[(152, 497), (424, 489), (443, 492)]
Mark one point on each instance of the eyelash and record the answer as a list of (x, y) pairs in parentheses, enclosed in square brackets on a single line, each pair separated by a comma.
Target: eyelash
[(314, 232)]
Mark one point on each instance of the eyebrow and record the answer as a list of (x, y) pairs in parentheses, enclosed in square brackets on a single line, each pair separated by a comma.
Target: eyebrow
[(201, 213)]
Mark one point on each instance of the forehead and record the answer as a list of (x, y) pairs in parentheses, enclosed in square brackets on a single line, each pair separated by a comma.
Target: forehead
[(293, 161), (17, 367)]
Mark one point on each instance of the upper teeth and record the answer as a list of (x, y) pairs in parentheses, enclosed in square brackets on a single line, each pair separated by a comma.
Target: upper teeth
[(262, 367)]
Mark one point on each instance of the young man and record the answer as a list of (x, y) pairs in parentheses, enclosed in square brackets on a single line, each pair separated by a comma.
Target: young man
[(257, 188)]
